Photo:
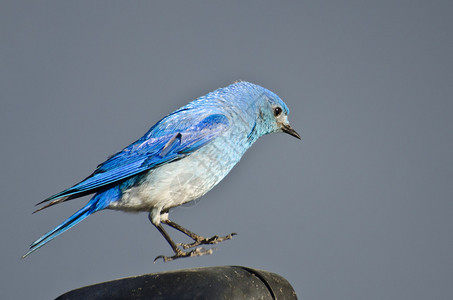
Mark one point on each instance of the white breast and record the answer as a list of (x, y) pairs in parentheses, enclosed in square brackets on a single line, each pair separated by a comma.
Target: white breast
[(181, 181)]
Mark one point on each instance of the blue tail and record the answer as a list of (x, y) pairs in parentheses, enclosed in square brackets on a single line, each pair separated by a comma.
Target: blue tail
[(98, 202), (70, 222)]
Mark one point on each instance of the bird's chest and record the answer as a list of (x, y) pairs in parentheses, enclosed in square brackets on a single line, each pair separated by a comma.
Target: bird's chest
[(184, 180)]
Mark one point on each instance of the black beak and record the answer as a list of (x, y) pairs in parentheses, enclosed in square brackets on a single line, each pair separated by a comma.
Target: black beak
[(289, 130)]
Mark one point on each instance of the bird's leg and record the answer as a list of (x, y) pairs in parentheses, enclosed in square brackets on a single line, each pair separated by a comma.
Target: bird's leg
[(198, 240), (178, 252)]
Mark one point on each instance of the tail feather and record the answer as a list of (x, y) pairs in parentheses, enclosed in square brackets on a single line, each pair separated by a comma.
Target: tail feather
[(51, 203), (100, 201), (70, 222), (66, 195)]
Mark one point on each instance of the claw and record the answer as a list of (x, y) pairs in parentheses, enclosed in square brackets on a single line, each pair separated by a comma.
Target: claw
[(196, 252), (207, 241)]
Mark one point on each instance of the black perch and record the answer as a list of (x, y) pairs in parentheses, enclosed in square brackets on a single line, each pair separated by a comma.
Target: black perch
[(229, 282)]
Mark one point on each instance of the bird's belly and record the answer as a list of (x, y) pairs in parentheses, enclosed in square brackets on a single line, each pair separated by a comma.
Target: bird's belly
[(179, 182)]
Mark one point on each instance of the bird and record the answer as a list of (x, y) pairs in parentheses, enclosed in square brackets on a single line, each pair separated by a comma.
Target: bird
[(178, 160)]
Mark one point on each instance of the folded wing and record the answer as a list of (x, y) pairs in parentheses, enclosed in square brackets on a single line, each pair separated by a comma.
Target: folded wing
[(161, 145)]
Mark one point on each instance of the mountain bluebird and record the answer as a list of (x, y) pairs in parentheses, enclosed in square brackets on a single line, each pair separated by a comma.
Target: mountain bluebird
[(178, 160)]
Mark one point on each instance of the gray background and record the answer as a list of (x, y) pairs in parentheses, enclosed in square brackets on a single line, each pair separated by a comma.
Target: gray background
[(360, 209)]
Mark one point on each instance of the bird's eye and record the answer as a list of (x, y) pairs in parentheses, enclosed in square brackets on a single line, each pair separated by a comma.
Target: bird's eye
[(277, 111)]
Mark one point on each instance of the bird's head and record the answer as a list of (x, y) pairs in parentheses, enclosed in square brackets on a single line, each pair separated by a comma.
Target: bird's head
[(274, 115), (262, 109)]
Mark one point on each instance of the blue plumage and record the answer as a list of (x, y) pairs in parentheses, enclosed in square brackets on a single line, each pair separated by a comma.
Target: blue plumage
[(178, 160)]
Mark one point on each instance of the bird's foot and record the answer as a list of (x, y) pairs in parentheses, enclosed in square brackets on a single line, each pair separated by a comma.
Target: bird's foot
[(199, 240), (179, 254)]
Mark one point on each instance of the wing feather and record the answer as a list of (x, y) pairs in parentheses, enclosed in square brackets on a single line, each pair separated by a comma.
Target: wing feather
[(148, 153)]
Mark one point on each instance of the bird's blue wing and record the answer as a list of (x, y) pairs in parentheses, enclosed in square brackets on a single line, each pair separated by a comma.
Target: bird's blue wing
[(151, 151)]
